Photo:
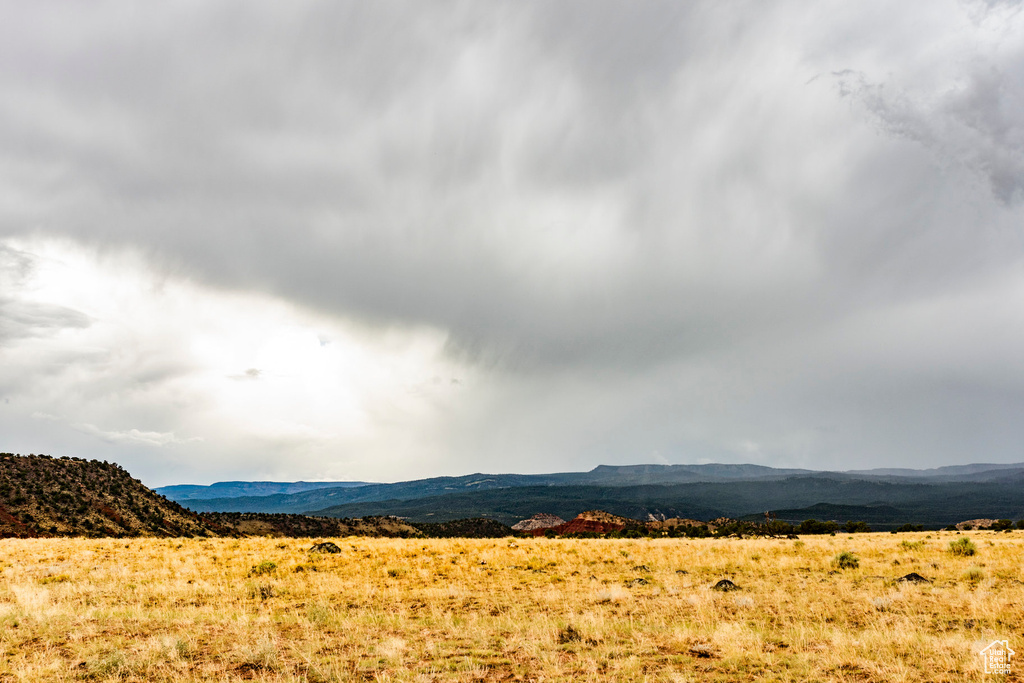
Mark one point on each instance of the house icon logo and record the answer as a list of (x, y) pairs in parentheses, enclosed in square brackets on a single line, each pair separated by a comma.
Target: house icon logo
[(997, 657)]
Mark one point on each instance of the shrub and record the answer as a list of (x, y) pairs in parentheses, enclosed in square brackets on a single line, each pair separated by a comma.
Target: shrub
[(113, 665), (262, 592), (974, 575), (54, 578), (261, 656), (264, 567), (846, 560), (962, 547), (569, 635)]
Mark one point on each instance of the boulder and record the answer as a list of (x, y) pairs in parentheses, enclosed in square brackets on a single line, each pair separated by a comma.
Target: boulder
[(325, 547), (913, 577)]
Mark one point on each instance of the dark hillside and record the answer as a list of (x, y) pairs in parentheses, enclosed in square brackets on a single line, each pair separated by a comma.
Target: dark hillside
[(465, 528), (508, 506), (892, 503), (44, 496), (321, 498), (305, 526)]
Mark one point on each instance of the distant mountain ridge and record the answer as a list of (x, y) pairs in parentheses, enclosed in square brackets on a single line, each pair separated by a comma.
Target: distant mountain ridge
[(972, 472), (238, 489), (602, 475), (326, 497), (610, 476)]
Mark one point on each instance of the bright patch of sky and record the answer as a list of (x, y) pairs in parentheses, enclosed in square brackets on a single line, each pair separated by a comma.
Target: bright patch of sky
[(226, 381)]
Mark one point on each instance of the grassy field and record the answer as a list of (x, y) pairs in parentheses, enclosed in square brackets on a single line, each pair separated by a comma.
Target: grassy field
[(482, 610)]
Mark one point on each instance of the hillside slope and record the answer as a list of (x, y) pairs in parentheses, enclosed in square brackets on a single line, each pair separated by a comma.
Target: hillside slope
[(44, 496)]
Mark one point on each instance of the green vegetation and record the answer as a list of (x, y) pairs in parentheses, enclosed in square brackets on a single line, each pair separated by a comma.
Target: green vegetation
[(846, 560), (263, 568), (974, 575), (962, 547), (54, 578)]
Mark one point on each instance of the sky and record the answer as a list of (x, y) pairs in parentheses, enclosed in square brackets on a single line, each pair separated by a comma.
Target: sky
[(391, 240)]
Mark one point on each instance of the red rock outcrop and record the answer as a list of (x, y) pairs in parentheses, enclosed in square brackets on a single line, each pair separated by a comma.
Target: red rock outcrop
[(591, 521)]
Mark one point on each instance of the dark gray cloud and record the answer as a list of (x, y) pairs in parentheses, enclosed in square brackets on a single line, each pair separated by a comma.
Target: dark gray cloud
[(701, 226), (975, 125)]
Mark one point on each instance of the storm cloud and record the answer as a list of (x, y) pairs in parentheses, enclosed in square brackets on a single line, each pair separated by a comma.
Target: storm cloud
[(554, 234)]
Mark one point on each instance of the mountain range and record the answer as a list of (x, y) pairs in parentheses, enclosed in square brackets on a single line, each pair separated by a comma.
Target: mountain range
[(238, 489), (299, 496), (888, 497)]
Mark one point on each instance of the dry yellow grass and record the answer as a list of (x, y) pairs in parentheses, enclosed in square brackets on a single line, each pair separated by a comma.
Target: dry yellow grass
[(538, 609)]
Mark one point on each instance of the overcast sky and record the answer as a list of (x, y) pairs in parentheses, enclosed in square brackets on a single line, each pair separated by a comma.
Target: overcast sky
[(389, 240)]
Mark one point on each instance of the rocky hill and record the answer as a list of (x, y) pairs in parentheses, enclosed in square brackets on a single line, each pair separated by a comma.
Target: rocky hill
[(590, 522), (44, 496), (973, 524), (541, 520)]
